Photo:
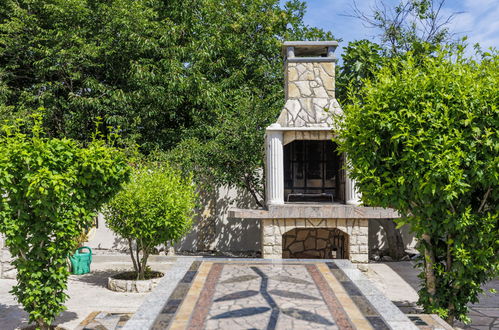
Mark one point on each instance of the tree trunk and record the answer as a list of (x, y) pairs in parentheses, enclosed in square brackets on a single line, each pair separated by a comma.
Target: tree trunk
[(429, 258), (396, 247), (42, 324), (448, 267), (143, 263), (137, 257), (450, 318), (135, 266)]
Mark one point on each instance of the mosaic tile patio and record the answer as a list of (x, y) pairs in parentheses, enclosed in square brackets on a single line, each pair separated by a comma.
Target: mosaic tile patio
[(260, 294), (104, 321)]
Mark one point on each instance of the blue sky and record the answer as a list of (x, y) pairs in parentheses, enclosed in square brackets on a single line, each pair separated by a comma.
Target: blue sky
[(478, 19)]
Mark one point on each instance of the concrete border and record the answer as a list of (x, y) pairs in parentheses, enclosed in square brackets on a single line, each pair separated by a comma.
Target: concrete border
[(125, 258), (311, 59), (150, 309), (314, 211), (387, 310)]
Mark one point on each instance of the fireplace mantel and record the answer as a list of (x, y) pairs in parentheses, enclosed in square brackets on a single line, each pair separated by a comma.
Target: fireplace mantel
[(315, 211)]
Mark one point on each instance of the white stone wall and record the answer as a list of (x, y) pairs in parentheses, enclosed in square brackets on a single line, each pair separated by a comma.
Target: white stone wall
[(309, 95), (310, 79), (357, 229), (377, 236), (7, 270), (212, 230), (290, 136)]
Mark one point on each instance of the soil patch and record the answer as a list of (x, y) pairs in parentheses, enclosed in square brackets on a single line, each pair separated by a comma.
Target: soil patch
[(132, 276), (52, 327)]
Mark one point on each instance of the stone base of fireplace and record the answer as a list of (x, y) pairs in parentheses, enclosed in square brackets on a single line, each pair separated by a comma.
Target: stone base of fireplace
[(317, 225), (273, 231), (315, 243)]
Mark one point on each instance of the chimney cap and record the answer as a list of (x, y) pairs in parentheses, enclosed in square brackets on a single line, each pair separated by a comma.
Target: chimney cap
[(309, 48)]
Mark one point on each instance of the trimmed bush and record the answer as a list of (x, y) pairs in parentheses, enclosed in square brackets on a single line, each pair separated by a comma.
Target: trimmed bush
[(155, 207), (50, 190)]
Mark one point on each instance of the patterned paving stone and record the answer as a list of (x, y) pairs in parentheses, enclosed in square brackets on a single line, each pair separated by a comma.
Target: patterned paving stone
[(242, 278), (237, 295), (252, 294), (104, 321), (377, 322), (290, 279), (292, 295)]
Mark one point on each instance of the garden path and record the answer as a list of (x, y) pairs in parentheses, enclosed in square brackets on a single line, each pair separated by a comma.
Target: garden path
[(216, 293)]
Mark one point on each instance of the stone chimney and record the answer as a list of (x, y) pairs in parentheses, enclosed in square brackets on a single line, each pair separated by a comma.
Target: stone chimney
[(309, 84), (306, 116)]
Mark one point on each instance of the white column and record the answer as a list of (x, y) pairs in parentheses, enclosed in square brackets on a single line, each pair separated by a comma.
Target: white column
[(275, 165), (352, 195)]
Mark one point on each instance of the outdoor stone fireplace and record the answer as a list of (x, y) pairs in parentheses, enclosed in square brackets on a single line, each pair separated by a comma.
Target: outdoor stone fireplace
[(312, 207), (315, 243)]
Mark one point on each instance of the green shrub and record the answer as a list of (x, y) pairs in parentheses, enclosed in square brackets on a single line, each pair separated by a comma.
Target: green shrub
[(155, 207), (423, 138), (50, 190)]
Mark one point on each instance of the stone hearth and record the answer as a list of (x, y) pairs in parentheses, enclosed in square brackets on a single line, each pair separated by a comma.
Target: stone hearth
[(315, 243), (356, 240), (279, 220), (311, 202)]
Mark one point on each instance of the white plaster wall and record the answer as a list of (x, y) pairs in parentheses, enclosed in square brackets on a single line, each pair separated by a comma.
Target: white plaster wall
[(214, 231), (103, 238), (211, 231), (377, 236)]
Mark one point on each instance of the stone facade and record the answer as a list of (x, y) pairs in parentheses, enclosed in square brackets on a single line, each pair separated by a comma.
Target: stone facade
[(308, 113), (309, 95), (310, 80), (356, 229), (315, 243)]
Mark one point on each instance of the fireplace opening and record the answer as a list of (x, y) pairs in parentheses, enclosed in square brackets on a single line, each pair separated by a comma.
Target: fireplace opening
[(315, 243), (311, 171)]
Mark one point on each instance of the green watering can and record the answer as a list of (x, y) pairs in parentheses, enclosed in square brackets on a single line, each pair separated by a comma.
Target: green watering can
[(80, 262)]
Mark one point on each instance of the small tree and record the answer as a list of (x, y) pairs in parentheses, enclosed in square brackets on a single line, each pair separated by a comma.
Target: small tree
[(418, 26), (50, 190), (155, 207), (423, 138)]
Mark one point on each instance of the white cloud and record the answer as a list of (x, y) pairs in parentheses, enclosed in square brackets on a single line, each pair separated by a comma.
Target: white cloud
[(479, 21)]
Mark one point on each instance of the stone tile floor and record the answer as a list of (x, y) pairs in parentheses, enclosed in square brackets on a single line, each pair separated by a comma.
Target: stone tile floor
[(88, 293), (483, 314), (260, 294), (104, 321)]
